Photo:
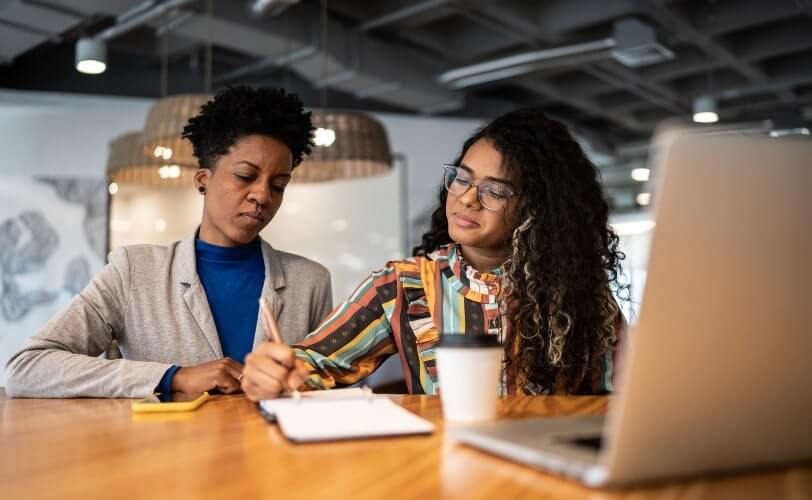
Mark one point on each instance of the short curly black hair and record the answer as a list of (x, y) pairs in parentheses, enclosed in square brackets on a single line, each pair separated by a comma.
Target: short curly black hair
[(240, 111)]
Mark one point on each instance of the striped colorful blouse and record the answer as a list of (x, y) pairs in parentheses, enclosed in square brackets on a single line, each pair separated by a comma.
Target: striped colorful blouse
[(402, 309)]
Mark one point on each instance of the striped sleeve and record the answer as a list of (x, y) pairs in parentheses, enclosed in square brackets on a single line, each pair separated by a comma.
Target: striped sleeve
[(352, 342)]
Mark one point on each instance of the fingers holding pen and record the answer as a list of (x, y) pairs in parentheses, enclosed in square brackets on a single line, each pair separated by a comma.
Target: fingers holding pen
[(298, 375), (271, 369)]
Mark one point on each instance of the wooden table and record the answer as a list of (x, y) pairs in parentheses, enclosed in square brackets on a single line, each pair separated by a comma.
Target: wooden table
[(96, 448)]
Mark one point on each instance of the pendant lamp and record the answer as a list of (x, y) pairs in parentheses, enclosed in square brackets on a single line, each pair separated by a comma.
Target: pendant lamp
[(127, 163), (161, 137), (348, 143)]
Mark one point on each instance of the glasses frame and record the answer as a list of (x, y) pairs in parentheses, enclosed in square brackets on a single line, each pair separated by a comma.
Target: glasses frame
[(449, 167)]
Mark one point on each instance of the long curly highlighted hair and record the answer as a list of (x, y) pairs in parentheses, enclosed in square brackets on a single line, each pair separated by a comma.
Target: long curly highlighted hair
[(564, 259)]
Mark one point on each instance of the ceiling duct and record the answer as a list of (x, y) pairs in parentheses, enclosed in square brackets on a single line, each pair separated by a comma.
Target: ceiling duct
[(636, 44), (633, 44)]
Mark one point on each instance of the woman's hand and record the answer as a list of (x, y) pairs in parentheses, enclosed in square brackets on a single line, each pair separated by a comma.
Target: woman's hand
[(223, 374), (271, 369)]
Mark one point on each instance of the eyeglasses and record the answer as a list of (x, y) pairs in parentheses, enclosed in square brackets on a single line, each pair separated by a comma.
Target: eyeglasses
[(491, 194)]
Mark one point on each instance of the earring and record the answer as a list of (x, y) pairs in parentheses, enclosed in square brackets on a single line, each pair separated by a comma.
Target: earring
[(202, 190)]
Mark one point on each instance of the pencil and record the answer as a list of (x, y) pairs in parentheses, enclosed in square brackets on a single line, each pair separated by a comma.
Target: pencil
[(273, 332), (270, 322)]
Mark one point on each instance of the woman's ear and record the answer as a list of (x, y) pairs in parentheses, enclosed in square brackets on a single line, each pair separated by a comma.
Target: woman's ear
[(202, 177)]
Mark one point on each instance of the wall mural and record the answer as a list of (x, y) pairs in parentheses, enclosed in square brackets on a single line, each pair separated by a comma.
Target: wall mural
[(53, 234)]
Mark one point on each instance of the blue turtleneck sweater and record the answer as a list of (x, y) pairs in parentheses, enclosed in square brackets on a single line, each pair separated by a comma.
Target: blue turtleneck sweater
[(233, 279)]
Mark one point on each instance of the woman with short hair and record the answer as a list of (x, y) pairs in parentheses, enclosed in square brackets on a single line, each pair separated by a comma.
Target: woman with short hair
[(186, 314)]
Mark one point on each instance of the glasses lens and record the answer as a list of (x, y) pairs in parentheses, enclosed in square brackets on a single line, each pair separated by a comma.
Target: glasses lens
[(456, 182), (449, 175), (493, 196)]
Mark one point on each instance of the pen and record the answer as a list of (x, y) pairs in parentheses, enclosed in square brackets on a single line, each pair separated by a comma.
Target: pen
[(274, 334)]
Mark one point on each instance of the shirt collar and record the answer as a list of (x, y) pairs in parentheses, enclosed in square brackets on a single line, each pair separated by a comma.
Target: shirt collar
[(474, 285)]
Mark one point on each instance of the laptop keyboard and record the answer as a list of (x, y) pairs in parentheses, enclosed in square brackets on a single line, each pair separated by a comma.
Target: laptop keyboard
[(594, 442)]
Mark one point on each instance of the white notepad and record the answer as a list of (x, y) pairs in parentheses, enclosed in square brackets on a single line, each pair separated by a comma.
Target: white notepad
[(269, 406), (343, 415)]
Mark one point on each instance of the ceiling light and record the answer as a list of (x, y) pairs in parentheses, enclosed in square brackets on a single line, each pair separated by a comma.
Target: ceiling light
[(633, 227), (324, 137), (128, 164), (169, 172), (643, 199), (641, 174), (705, 109), (91, 56), (359, 148), (789, 131), (166, 118)]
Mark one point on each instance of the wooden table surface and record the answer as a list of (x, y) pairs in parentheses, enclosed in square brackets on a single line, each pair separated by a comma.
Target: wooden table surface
[(97, 448)]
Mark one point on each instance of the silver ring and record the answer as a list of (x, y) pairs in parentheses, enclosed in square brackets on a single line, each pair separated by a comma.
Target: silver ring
[(239, 379)]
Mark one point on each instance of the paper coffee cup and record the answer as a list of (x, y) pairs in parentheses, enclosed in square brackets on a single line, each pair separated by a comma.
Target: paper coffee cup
[(469, 369)]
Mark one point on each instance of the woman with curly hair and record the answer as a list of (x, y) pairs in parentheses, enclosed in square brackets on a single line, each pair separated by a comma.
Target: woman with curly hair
[(519, 247), (186, 314)]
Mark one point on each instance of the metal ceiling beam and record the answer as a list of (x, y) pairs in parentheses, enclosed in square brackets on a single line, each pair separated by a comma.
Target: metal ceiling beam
[(686, 32), (784, 82), (557, 18), (401, 14), (726, 17), (430, 44), (745, 110), (360, 59), (484, 19), (267, 63), (498, 14), (586, 105), (784, 38), (629, 80), (686, 62)]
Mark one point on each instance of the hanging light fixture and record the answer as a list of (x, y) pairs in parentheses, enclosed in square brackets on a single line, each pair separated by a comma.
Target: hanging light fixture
[(127, 164), (347, 143), (91, 56), (359, 148), (166, 118), (705, 109), (161, 138)]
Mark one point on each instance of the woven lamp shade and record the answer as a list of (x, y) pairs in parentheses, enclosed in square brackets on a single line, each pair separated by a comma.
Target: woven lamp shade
[(361, 149), (165, 122), (127, 164)]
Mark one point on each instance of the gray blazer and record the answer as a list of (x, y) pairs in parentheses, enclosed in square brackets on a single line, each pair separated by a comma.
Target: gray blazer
[(149, 299)]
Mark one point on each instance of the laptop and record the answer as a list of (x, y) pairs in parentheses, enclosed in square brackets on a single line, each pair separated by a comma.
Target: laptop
[(717, 370)]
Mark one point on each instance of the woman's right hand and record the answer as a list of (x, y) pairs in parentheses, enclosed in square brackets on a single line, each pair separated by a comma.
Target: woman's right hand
[(271, 369), (223, 374)]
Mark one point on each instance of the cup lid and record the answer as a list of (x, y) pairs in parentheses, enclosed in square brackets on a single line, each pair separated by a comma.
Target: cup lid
[(462, 340)]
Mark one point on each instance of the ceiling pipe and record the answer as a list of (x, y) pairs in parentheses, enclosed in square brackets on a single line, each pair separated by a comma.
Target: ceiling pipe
[(271, 8), (141, 14), (632, 44)]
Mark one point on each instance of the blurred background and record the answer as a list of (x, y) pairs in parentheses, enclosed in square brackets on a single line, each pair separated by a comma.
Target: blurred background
[(93, 95)]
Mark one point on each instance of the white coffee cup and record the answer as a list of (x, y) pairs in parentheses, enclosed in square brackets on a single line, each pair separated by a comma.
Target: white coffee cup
[(469, 369)]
